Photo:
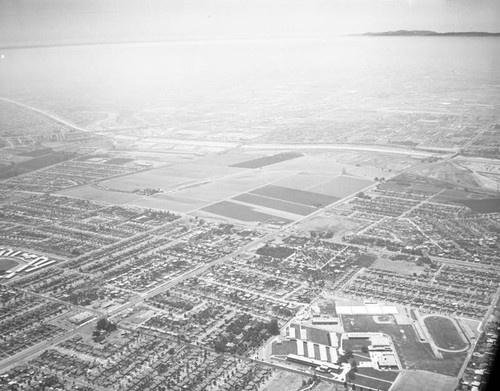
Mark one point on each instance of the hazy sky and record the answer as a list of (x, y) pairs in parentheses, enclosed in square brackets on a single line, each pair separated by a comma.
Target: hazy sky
[(53, 21)]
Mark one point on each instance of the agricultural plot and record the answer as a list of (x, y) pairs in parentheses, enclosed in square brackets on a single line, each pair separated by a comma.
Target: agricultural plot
[(167, 202), (303, 180), (445, 333), (342, 186), (241, 212), (268, 160), (296, 196), (489, 205), (273, 203)]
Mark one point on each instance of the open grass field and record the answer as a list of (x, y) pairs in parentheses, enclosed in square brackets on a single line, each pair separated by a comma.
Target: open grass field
[(284, 348), (7, 263), (385, 375), (355, 344), (294, 195), (424, 381), (400, 266), (91, 193), (241, 212), (444, 333), (318, 336), (341, 186), (412, 353), (275, 204)]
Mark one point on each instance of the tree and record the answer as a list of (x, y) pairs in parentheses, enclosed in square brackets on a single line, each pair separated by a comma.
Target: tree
[(364, 349)]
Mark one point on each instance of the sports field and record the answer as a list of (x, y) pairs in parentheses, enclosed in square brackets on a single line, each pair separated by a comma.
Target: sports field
[(286, 381), (273, 203), (444, 333), (293, 195)]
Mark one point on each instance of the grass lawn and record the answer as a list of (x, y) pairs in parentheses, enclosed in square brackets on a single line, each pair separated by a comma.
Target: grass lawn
[(7, 263), (385, 375)]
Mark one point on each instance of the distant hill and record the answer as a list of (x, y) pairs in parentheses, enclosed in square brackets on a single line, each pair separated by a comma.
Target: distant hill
[(426, 33)]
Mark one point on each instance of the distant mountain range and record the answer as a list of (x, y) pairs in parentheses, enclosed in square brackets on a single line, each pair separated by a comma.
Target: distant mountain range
[(426, 33)]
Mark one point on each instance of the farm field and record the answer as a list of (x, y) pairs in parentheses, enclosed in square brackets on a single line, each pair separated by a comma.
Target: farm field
[(273, 203), (241, 212), (488, 205), (220, 189), (268, 160), (445, 333), (412, 353), (91, 193), (303, 180), (341, 186), (167, 202), (294, 195), (285, 381)]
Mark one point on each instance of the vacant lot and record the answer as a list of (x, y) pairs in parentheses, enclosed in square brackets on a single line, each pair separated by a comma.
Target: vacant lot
[(424, 381), (342, 186), (286, 381), (400, 266), (240, 212), (273, 203), (152, 179), (293, 195), (445, 333)]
